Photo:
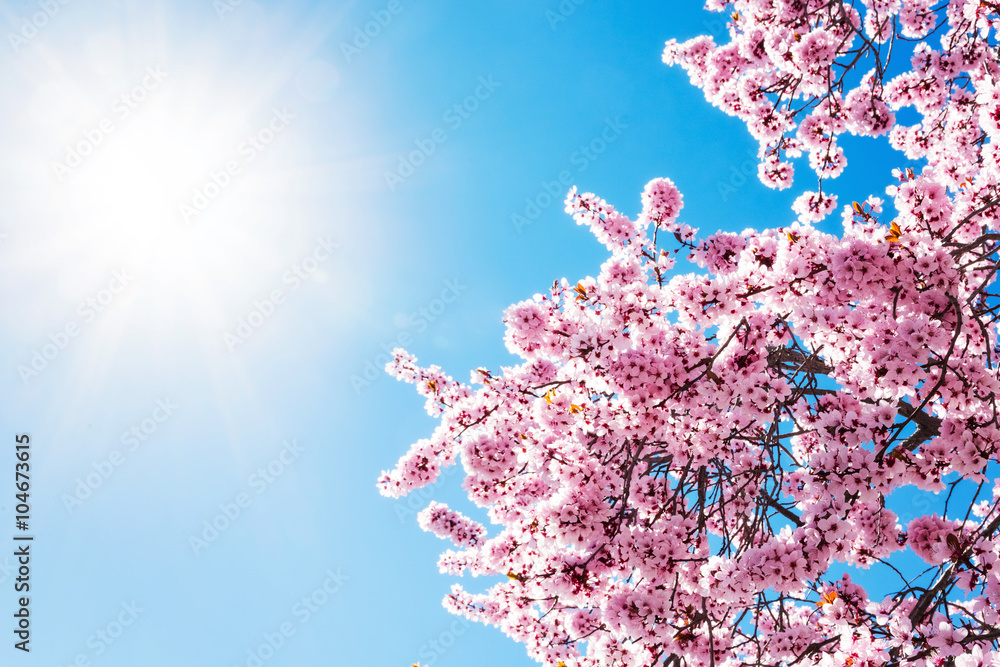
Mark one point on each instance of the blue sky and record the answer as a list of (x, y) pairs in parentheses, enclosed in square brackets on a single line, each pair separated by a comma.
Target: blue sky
[(219, 164)]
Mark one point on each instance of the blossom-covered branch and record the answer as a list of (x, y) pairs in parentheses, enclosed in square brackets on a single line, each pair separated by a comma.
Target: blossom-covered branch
[(678, 460)]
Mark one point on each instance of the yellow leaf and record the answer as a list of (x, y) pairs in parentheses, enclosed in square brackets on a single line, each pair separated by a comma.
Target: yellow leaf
[(894, 233), (828, 598)]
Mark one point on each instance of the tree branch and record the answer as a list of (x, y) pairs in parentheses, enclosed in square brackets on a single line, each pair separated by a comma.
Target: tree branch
[(924, 602)]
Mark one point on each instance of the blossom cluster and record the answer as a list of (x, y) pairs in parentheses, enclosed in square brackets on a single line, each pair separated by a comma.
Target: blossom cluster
[(677, 461), (653, 419), (803, 73)]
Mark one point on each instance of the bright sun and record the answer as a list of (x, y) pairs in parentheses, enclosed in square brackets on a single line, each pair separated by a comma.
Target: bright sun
[(128, 192), (185, 167), (179, 184)]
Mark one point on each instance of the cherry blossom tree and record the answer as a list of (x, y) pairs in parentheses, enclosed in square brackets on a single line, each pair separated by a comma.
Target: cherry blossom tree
[(688, 469)]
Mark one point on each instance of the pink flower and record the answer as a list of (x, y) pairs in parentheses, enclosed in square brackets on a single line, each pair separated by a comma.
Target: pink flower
[(661, 203), (814, 206)]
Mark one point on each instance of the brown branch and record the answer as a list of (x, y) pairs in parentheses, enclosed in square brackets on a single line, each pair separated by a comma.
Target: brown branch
[(784, 511), (919, 417), (806, 364), (928, 425), (923, 603)]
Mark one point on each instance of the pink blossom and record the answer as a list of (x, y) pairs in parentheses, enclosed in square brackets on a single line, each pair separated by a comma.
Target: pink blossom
[(437, 518), (675, 463)]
